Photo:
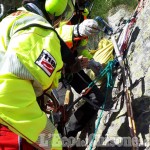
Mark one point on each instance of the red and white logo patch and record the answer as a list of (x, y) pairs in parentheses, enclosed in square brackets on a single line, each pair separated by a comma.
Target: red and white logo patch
[(46, 62)]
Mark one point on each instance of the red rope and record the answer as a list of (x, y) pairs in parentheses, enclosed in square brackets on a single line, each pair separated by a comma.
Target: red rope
[(132, 22)]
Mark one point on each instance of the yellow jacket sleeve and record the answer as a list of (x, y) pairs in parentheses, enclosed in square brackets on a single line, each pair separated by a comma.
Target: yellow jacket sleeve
[(66, 32), (82, 49), (40, 53)]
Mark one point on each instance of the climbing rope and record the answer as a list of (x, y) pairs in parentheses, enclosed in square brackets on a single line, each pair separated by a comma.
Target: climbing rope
[(123, 46), (107, 71)]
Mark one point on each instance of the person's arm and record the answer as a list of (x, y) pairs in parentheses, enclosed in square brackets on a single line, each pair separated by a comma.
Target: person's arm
[(66, 32), (38, 58)]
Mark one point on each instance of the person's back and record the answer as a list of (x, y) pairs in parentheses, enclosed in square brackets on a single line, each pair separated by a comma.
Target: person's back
[(31, 63)]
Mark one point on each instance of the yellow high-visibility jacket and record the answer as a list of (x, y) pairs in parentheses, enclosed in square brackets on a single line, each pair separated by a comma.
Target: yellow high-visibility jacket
[(30, 62), (66, 33)]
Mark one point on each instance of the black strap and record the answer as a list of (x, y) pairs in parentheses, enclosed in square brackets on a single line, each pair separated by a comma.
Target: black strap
[(78, 30), (29, 8)]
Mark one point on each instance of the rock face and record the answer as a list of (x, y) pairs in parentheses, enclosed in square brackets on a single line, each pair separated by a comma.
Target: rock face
[(113, 131)]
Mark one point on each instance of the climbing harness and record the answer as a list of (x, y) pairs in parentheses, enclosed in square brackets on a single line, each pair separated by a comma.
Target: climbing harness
[(107, 71), (52, 105)]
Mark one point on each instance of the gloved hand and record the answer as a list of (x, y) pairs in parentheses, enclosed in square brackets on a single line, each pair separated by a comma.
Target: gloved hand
[(95, 66), (87, 28)]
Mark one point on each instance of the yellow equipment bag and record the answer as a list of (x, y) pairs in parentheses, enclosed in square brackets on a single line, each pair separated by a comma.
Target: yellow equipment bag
[(103, 54)]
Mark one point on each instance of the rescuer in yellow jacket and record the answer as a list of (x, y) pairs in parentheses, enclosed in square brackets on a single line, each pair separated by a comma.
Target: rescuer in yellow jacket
[(30, 63)]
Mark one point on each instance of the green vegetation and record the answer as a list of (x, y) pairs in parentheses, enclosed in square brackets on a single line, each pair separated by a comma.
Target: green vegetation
[(101, 7)]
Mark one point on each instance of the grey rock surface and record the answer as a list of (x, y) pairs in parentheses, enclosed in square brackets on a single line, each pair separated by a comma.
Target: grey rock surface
[(113, 131)]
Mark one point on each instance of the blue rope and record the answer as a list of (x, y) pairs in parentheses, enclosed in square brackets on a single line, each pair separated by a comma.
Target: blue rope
[(107, 71)]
